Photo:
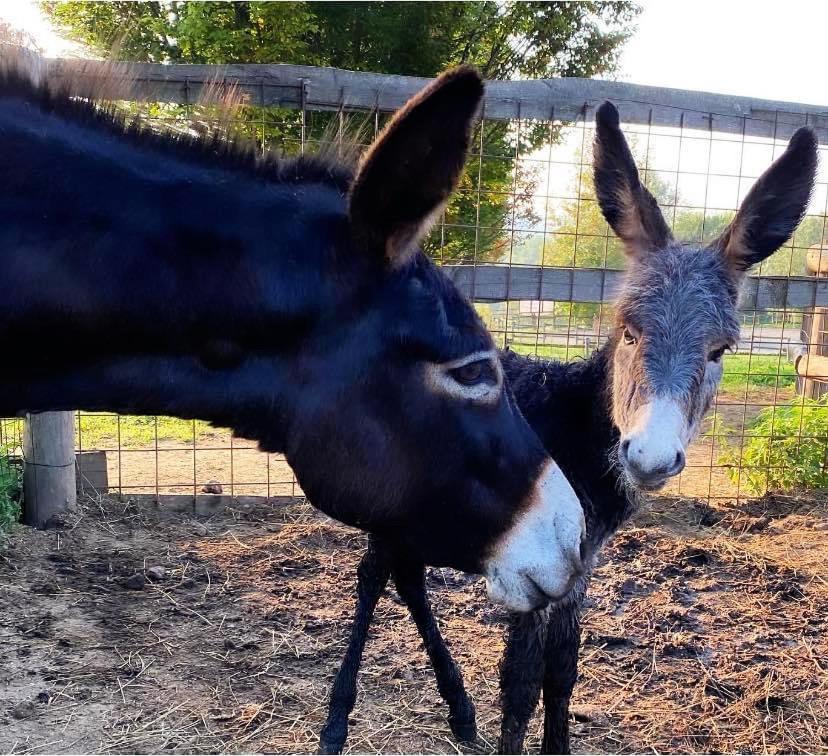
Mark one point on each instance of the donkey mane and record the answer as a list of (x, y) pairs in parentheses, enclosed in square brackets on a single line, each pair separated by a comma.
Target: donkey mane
[(20, 80)]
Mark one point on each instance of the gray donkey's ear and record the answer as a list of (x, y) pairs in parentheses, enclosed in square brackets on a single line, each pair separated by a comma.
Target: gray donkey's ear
[(631, 211), (774, 206)]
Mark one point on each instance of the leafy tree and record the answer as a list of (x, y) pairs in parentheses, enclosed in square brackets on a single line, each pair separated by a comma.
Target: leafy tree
[(504, 39), (133, 31), (528, 39)]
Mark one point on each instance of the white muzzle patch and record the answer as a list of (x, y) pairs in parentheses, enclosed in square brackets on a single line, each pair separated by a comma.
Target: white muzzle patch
[(539, 559), (660, 434)]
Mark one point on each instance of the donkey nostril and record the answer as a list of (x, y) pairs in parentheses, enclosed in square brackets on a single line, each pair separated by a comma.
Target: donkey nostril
[(625, 448), (678, 465)]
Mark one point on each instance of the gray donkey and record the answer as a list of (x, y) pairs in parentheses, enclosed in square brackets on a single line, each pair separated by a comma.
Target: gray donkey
[(625, 417), (617, 423)]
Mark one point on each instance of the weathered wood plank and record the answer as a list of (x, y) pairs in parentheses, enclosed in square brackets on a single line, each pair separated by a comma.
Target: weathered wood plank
[(503, 283), (812, 366), (566, 100), (782, 292), (92, 473)]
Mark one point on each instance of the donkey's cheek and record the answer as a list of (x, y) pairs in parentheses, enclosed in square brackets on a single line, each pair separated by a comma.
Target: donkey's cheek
[(704, 401), (625, 388)]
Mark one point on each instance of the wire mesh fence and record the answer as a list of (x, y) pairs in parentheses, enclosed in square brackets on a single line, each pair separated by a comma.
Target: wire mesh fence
[(524, 238)]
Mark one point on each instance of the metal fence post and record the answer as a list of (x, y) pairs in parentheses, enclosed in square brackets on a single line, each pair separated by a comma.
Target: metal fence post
[(49, 483)]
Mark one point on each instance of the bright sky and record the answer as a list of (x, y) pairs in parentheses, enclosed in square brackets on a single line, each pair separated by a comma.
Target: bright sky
[(773, 50), (25, 15)]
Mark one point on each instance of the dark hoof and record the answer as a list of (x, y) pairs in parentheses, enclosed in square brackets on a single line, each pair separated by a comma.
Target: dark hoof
[(332, 742), (558, 746), (465, 730), (510, 745), (329, 746), (462, 720)]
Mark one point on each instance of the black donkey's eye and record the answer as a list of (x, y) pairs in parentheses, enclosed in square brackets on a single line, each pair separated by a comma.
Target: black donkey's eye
[(473, 373), (629, 338)]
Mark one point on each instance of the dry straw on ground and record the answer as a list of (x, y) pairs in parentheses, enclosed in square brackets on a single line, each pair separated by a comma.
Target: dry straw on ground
[(136, 631)]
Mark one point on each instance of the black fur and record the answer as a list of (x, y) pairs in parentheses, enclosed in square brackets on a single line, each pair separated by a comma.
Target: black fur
[(213, 150), (568, 407), (161, 274)]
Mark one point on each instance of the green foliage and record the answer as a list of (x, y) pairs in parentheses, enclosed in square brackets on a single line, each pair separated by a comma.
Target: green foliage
[(504, 39), (785, 448), (549, 351), (529, 39), (242, 32), (11, 490), (134, 31)]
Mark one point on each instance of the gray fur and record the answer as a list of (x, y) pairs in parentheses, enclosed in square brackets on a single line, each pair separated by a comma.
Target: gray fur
[(682, 301)]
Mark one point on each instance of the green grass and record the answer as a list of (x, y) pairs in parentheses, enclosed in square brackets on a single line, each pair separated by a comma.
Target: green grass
[(757, 371), (104, 430), (10, 493), (741, 371), (550, 352)]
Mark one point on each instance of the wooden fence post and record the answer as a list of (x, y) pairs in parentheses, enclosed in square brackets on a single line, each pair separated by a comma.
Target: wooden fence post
[(49, 483), (812, 370)]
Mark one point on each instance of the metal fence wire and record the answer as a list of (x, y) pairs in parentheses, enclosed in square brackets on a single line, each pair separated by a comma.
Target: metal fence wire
[(525, 240)]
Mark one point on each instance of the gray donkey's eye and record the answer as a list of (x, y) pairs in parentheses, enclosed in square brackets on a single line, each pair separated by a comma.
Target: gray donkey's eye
[(629, 337), (716, 354)]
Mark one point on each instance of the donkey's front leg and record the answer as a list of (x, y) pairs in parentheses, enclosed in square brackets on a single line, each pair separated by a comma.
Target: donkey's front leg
[(372, 576), (521, 677), (563, 641), (409, 577)]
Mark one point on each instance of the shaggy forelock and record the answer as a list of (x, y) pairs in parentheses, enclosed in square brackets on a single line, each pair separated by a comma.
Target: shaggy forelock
[(682, 299)]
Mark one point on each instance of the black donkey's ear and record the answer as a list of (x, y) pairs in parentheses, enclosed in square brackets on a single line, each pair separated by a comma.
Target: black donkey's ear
[(410, 171)]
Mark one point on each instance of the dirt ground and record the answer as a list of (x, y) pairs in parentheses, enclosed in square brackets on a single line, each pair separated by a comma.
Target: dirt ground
[(132, 630)]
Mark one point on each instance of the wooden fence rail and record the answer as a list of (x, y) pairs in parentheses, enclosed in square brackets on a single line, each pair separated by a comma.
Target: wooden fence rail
[(563, 100), (502, 283)]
